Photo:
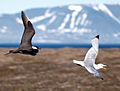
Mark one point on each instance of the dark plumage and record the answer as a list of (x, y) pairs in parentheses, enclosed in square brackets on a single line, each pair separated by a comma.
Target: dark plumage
[(97, 36), (26, 45)]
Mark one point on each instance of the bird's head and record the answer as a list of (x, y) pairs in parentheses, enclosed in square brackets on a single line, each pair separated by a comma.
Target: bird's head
[(101, 66), (97, 36)]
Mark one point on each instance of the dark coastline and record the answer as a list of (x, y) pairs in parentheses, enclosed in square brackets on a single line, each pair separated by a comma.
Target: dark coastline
[(45, 45)]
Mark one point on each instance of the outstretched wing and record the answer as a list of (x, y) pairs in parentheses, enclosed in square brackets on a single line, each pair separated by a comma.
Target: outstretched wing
[(24, 19), (93, 51), (95, 43), (28, 33)]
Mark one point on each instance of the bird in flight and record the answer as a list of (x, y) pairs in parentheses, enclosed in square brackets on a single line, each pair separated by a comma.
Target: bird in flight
[(25, 46), (89, 60)]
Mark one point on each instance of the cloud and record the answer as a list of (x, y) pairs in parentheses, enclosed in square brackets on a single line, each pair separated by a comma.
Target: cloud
[(19, 20), (41, 27), (3, 29)]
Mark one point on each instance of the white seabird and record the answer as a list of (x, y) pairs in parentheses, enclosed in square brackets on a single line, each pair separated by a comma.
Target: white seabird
[(89, 61)]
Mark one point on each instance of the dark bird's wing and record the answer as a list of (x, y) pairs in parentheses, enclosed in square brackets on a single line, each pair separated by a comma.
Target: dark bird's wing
[(27, 35), (24, 19)]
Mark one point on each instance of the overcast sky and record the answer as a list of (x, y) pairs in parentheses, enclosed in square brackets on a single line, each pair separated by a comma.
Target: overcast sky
[(13, 6)]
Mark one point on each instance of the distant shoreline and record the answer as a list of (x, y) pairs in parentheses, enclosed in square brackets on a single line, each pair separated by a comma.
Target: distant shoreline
[(42, 45)]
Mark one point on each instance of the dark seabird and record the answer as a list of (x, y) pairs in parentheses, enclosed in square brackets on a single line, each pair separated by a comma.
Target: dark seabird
[(26, 45)]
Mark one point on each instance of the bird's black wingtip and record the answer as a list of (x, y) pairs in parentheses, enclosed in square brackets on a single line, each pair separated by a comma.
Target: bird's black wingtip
[(29, 23), (102, 79), (97, 36), (22, 12)]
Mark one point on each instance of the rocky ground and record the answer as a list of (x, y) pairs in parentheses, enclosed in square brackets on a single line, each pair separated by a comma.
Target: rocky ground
[(53, 70)]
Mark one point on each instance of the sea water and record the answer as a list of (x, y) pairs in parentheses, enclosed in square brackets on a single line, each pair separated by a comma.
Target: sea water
[(46, 45)]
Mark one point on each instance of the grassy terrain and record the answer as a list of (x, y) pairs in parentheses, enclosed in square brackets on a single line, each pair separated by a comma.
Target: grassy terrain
[(53, 70)]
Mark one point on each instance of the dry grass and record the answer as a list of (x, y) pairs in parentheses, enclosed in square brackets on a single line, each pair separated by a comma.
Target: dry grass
[(53, 70)]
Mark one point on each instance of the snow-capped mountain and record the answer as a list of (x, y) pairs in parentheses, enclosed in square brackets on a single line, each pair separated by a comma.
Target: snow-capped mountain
[(65, 24)]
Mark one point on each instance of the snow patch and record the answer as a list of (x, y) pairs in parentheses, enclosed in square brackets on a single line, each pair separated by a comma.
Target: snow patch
[(81, 31), (116, 35), (76, 30), (74, 14), (84, 30), (3, 29), (66, 19), (78, 20), (105, 9), (41, 27), (76, 9), (18, 20), (95, 7), (38, 18), (84, 16), (52, 19), (47, 41), (65, 30)]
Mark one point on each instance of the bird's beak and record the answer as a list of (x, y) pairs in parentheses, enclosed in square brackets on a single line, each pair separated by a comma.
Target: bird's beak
[(104, 67)]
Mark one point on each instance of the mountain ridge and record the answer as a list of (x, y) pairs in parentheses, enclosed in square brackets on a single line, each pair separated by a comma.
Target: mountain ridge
[(65, 24)]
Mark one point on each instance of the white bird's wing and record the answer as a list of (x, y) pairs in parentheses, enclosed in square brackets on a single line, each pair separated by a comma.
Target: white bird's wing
[(92, 52), (95, 43), (90, 57)]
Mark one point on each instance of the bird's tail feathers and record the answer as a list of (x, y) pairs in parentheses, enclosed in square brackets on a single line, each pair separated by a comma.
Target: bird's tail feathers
[(78, 62), (75, 61), (7, 53)]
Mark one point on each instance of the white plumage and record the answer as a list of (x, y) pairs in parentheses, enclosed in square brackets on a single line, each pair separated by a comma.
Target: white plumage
[(89, 60)]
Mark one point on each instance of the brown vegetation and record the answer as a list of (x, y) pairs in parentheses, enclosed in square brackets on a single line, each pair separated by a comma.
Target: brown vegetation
[(53, 70)]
